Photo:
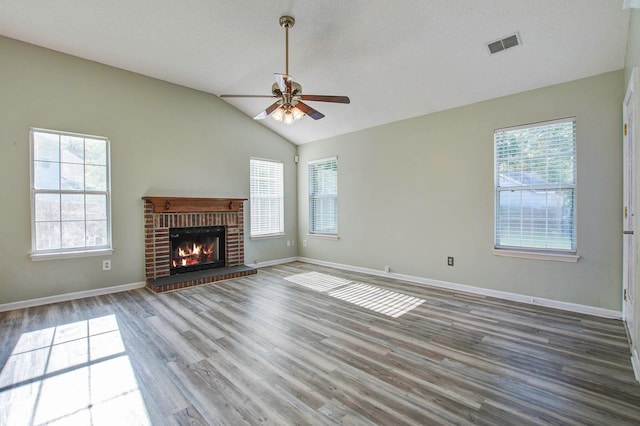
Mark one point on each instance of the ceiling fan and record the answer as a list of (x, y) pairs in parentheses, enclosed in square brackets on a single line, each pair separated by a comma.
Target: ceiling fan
[(289, 108)]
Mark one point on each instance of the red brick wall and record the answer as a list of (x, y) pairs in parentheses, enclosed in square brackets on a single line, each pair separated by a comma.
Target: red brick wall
[(156, 236)]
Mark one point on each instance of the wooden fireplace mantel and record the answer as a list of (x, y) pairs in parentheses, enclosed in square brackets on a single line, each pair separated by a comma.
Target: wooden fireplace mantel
[(195, 205)]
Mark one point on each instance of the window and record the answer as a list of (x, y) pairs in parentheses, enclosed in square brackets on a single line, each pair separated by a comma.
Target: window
[(535, 183), (266, 197), (323, 196), (70, 192)]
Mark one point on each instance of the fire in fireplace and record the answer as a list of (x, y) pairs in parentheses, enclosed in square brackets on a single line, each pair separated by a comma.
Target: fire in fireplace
[(197, 248)]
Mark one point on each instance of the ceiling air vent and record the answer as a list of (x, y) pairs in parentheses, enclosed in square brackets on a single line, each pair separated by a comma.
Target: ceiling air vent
[(505, 43)]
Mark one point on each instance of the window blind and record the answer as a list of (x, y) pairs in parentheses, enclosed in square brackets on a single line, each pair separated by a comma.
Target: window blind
[(323, 196), (535, 175), (266, 197)]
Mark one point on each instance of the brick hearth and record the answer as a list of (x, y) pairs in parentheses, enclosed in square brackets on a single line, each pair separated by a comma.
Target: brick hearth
[(162, 213)]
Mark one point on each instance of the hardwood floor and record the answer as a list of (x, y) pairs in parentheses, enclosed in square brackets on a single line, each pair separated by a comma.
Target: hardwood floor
[(303, 344)]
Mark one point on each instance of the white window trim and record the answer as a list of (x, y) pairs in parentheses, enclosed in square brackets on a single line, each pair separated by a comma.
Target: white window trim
[(268, 236), (66, 253), (558, 257), (70, 254), (536, 123), (529, 252), (281, 233), (323, 235)]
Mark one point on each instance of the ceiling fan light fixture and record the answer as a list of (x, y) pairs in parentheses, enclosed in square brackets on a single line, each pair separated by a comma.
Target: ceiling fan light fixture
[(287, 114), (297, 113), (291, 114), (288, 117), (278, 114)]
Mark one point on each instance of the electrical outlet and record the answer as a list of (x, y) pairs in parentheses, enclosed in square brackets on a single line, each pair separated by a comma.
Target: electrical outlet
[(387, 268), (288, 243), (450, 260), (304, 243), (106, 265)]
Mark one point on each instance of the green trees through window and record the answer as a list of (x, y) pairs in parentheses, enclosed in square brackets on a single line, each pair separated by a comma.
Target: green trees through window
[(535, 181)]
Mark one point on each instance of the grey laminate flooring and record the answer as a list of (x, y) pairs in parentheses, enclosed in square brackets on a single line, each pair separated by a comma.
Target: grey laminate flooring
[(270, 350)]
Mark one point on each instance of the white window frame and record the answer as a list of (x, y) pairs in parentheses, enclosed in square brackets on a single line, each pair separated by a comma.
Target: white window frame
[(530, 251), (77, 251), (276, 192), (327, 233)]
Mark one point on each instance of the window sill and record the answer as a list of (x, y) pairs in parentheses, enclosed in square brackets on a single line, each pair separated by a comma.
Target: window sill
[(325, 236), (267, 236), (70, 254), (571, 258)]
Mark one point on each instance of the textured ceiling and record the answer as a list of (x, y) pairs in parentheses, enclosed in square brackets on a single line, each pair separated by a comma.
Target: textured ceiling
[(395, 60)]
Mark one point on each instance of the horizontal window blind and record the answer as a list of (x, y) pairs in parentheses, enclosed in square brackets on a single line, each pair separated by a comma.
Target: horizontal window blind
[(535, 175), (323, 196), (266, 197)]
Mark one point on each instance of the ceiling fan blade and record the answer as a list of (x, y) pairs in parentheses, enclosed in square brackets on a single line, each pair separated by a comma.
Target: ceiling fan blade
[(267, 112), (316, 115), (248, 96), (326, 98), (284, 82)]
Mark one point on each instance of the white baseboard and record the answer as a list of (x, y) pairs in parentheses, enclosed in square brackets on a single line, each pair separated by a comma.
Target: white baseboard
[(567, 306), (107, 290), (550, 303), (272, 262), (635, 363), (69, 296)]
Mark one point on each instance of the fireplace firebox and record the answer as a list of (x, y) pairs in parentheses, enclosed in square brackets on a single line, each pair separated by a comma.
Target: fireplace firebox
[(196, 248)]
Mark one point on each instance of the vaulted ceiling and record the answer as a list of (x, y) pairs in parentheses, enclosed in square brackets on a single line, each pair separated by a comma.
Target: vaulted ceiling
[(394, 59)]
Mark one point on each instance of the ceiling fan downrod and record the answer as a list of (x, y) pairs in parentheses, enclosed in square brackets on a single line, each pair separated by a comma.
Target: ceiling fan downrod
[(287, 22)]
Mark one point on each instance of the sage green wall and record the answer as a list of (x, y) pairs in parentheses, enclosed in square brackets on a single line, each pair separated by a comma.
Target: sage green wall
[(413, 192), (633, 44), (165, 140), (633, 60)]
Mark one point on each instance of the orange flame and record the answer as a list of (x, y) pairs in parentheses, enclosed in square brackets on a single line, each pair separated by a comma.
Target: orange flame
[(194, 254)]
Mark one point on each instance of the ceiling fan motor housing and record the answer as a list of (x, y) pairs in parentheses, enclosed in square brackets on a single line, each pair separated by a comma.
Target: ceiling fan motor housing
[(296, 89)]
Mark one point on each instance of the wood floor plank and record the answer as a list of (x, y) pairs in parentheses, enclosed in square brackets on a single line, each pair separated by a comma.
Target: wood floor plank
[(207, 394), (188, 417), (187, 352), (265, 350)]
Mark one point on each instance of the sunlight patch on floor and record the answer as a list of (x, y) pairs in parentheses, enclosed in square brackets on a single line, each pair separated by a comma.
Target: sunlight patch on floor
[(367, 296), (317, 281), (77, 373), (378, 300)]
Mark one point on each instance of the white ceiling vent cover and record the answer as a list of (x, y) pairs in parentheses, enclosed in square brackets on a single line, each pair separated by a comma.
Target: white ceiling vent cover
[(504, 43)]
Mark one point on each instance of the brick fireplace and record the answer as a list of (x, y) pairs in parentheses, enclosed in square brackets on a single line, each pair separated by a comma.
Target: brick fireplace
[(161, 214)]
